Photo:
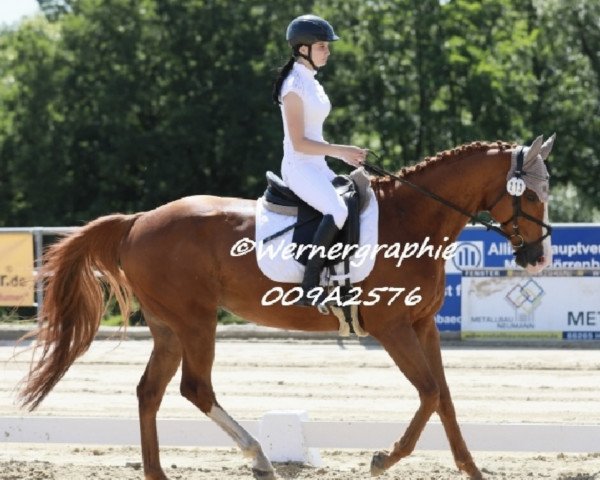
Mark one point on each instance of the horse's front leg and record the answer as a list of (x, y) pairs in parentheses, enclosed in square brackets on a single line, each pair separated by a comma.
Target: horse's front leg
[(401, 342), (430, 341)]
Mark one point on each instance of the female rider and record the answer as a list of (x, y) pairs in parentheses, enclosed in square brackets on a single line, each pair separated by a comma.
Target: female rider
[(304, 108)]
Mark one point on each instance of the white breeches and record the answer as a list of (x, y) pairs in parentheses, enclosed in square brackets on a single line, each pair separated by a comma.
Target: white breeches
[(311, 181)]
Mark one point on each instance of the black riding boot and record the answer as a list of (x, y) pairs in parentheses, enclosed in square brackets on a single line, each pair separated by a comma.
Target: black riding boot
[(324, 236)]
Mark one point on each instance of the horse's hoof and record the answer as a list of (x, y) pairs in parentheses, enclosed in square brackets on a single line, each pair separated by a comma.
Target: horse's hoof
[(155, 476), (470, 469), (263, 474), (378, 463), (475, 475)]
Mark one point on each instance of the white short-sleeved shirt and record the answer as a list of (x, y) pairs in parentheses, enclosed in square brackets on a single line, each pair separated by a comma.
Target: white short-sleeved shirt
[(301, 80)]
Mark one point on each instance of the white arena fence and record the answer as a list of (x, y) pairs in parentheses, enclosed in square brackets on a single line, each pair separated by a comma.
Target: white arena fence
[(291, 436)]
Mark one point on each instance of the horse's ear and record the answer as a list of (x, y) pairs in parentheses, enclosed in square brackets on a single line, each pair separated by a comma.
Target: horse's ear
[(547, 147), (534, 150)]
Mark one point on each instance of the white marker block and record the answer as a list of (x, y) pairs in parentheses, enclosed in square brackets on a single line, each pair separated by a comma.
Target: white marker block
[(282, 437)]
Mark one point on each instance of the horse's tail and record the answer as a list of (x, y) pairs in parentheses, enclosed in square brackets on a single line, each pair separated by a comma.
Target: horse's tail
[(74, 299)]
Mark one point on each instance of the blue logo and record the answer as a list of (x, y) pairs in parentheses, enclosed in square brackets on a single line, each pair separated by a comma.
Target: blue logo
[(468, 255)]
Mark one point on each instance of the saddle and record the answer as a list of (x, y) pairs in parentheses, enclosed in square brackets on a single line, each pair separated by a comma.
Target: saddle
[(278, 194), (356, 191)]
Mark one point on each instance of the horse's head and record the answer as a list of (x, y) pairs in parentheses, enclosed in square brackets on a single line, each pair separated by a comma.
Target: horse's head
[(523, 211)]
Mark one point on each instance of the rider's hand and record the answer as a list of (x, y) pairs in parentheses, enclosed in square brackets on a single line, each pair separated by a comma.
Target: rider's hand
[(353, 156)]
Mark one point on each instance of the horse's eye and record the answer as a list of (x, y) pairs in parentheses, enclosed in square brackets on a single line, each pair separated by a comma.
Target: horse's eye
[(531, 196)]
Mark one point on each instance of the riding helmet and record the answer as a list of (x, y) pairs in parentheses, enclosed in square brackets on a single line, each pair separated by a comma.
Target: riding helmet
[(308, 29)]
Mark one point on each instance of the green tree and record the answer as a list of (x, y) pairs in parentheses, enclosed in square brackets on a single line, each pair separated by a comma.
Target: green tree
[(125, 105), (29, 148), (572, 99), (54, 9)]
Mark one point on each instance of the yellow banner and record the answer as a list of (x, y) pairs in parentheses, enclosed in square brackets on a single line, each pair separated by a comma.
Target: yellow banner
[(16, 270)]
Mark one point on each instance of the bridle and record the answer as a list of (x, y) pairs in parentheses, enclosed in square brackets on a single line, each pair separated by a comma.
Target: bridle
[(515, 238)]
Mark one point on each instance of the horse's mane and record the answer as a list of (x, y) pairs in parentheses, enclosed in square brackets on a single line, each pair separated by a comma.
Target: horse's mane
[(445, 155)]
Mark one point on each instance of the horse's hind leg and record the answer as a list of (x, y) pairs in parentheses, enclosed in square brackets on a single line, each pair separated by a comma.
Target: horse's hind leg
[(430, 341), (163, 363), (196, 386), (402, 344)]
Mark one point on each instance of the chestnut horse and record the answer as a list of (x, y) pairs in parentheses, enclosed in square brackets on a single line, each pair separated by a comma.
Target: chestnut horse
[(176, 261)]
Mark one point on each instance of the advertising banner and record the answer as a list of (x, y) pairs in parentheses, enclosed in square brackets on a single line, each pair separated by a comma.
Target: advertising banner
[(16, 270), (558, 304), (574, 246)]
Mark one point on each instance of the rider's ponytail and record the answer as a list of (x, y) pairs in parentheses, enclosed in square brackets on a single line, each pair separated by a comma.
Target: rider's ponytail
[(283, 73)]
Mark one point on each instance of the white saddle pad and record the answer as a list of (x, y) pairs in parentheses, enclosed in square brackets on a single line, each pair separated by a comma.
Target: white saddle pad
[(279, 266)]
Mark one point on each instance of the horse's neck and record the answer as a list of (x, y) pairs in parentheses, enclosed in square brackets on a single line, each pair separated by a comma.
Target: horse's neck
[(468, 181)]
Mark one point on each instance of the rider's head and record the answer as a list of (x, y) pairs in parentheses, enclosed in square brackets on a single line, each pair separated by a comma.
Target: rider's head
[(309, 37), (308, 32)]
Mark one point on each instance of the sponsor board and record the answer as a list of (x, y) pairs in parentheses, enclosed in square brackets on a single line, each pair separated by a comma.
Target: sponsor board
[(499, 303), (574, 246), (16, 269)]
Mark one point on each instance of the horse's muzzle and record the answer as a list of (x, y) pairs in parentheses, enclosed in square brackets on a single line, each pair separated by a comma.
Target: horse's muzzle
[(530, 254)]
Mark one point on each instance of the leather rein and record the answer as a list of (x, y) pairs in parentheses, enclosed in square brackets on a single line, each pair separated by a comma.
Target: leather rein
[(515, 238)]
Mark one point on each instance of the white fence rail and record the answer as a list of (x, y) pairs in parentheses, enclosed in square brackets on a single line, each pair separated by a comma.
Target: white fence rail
[(289, 436)]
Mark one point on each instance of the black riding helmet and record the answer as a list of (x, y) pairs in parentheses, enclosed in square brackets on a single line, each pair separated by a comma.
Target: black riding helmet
[(306, 30)]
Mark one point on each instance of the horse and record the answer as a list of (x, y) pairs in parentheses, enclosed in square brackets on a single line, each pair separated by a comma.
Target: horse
[(176, 261)]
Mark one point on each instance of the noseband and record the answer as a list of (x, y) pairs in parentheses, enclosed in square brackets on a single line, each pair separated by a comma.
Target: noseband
[(515, 238)]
